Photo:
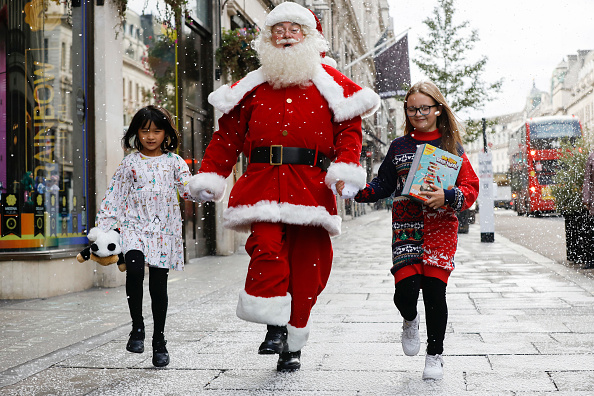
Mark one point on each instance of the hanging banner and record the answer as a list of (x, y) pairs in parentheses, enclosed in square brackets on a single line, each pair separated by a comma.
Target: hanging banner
[(392, 69), (39, 218), (11, 218), (74, 216), (53, 214)]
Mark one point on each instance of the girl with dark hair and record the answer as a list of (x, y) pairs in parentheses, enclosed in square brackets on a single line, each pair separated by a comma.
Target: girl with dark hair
[(142, 200), (424, 234)]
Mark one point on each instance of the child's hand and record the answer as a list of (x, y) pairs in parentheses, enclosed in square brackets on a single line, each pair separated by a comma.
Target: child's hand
[(339, 186), (435, 198), (344, 190)]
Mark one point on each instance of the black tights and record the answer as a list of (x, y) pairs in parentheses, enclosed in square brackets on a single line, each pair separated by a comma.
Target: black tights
[(157, 289), (436, 308)]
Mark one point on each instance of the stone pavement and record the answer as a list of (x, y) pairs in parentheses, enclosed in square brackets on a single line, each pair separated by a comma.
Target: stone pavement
[(519, 324)]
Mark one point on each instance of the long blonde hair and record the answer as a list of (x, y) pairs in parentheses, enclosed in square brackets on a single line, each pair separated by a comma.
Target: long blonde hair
[(447, 122)]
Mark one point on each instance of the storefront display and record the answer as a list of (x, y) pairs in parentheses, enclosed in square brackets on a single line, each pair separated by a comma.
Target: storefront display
[(43, 127)]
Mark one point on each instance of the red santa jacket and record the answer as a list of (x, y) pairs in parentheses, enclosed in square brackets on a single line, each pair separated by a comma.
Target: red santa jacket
[(325, 116)]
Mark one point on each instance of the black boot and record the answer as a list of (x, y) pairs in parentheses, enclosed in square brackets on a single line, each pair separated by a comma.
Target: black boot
[(275, 341), (136, 341), (289, 361), (160, 354)]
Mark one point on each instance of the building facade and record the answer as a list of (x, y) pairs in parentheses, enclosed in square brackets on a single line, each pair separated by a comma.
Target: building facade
[(72, 74), (571, 93)]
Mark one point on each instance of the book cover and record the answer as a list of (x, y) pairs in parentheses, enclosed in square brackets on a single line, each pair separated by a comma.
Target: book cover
[(431, 165)]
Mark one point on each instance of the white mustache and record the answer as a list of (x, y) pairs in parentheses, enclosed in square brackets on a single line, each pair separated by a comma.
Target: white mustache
[(287, 41)]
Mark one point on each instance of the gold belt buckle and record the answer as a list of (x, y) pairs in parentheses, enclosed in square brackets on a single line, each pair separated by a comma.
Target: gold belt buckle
[(281, 155)]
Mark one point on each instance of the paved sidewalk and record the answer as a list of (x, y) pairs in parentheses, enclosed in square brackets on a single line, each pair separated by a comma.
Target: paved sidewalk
[(519, 324)]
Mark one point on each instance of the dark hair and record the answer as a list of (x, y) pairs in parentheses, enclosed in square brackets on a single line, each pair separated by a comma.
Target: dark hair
[(162, 120)]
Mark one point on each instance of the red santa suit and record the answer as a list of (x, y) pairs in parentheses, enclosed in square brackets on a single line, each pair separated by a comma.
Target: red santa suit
[(289, 209)]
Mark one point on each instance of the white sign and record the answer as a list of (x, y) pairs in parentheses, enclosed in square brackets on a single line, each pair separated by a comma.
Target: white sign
[(485, 198)]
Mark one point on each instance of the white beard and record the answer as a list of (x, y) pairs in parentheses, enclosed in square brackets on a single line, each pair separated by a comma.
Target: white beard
[(295, 65)]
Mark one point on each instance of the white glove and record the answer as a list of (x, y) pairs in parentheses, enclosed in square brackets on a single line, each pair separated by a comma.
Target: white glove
[(333, 188), (349, 191), (205, 195)]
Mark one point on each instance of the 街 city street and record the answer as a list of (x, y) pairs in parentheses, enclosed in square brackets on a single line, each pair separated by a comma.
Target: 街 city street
[(519, 324)]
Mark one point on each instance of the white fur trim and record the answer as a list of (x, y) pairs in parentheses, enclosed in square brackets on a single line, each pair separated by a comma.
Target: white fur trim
[(297, 337), (362, 103), (212, 182), (239, 218), (326, 60), (267, 310), (225, 98), (291, 12), (349, 173)]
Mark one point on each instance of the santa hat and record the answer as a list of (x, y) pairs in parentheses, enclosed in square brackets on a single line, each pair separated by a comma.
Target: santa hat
[(291, 12)]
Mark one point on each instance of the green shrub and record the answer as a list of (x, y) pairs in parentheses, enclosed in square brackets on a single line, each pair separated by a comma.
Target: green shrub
[(569, 178), (236, 55)]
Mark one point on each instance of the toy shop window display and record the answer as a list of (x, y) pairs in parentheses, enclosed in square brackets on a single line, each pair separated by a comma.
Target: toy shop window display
[(42, 172)]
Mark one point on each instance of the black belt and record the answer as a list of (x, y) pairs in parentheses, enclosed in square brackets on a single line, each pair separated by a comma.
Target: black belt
[(279, 155)]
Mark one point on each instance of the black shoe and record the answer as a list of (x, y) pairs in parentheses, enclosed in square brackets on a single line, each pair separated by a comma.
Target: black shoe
[(275, 341), (160, 354), (136, 341), (289, 361)]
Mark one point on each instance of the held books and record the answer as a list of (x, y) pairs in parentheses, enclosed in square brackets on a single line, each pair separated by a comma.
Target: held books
[(431, 165)]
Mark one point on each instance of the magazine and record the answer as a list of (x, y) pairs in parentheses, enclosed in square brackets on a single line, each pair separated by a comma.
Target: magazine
[(431, 165)]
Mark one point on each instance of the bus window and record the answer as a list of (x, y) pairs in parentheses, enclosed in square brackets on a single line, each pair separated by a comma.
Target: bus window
[(557, 129), (545, 171)]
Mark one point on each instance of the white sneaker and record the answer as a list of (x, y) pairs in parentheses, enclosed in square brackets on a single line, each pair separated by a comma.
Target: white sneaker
[(411, 342), (433, 367)]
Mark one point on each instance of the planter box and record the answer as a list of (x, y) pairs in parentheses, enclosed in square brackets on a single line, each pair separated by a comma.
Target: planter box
[(579, 234)]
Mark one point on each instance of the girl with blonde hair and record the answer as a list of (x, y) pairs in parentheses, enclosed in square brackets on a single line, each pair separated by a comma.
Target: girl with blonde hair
[(425, 235)]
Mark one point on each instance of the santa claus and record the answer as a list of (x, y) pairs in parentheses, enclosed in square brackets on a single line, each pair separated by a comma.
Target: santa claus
[(298, 122)]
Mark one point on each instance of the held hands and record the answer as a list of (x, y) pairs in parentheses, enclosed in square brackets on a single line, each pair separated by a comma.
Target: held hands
[(435, 198), (344, 190), (205, 195)]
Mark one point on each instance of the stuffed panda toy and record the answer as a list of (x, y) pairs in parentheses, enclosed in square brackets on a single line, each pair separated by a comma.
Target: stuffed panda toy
[(104, 248)]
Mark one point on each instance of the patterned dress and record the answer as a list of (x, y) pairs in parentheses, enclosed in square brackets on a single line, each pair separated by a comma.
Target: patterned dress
[(420, 235), (142, 199)]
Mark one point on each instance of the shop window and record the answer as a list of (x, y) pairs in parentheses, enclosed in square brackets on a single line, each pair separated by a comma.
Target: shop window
[(43, 178)]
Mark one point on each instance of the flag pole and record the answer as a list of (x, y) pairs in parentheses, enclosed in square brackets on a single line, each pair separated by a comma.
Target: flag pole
[(382, 45)]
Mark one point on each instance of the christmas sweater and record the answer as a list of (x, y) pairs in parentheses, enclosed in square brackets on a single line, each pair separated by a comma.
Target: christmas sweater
[(420, 234)]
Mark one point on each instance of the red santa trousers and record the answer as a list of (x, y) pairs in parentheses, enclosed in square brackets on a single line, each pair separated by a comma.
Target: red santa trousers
[(289, 268)]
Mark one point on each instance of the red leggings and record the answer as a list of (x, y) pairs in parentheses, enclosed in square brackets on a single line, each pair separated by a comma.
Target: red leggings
[(291, 259)]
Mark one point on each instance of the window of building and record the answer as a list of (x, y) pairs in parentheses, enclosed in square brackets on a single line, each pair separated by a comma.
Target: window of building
[(43, 110)]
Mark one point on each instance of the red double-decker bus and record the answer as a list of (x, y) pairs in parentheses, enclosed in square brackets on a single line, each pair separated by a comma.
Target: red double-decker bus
[(533, 153)]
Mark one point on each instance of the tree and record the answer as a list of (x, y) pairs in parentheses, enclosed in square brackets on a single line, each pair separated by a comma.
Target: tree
[(444, 60), (569, 179), (567, 191)]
